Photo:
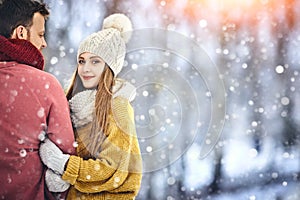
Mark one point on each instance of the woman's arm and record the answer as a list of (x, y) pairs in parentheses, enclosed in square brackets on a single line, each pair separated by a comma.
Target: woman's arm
[(118, 161)]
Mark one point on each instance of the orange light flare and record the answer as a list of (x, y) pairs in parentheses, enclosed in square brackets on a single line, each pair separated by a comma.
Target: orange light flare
[(227, 5), (235, 9), (232, 10)]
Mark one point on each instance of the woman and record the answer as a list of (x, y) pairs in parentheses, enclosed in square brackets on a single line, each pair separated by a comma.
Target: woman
[(108, 165)]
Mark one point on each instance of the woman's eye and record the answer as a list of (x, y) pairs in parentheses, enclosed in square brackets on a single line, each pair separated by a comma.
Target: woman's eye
[(95, 61), (81, 62)]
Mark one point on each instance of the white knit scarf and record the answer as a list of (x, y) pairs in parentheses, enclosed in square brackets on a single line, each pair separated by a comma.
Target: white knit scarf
[(82, 106)]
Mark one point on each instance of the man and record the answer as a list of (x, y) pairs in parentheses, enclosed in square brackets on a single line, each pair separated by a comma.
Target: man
[(32, 102)]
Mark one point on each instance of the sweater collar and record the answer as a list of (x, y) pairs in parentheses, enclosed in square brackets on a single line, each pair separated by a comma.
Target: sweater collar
[(21, 51)]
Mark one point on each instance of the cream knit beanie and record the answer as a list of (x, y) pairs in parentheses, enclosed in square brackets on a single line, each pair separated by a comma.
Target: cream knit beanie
[(109, 43)]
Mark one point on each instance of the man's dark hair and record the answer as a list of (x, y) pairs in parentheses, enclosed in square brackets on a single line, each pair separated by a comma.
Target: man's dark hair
[(14, 13)]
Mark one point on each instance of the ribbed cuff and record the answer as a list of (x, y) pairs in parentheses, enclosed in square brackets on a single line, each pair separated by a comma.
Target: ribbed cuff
[(72, 170), (62, 163)]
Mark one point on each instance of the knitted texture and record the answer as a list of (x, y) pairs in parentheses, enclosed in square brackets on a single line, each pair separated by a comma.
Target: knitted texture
[(117, 172), (54, 182), (82, 106), (109, 43), (83, 103), (21, 51), (124, 89), (120, 22), (52, 156)]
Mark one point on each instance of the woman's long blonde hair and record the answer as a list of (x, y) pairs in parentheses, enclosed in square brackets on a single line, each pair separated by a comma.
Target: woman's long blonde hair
[(102, 107)]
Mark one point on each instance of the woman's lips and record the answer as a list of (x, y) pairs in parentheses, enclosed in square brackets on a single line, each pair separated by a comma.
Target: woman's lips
[(87, 77)]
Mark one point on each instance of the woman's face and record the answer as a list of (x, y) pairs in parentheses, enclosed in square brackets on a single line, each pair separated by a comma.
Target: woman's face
[(90, 68)]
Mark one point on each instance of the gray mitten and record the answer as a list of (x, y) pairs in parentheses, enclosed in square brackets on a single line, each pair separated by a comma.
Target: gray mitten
[(53, 157), (55, 183)]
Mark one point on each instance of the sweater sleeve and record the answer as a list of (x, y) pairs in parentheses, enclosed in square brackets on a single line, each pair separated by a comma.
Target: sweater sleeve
[(119, 161)]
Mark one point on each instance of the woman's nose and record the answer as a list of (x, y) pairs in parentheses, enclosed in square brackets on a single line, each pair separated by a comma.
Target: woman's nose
[(86, 67)]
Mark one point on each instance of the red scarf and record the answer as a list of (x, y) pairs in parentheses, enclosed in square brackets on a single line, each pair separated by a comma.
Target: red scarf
[(21, 51)]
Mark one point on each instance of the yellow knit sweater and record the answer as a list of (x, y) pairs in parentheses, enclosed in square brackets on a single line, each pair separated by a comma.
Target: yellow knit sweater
[(117, 172)]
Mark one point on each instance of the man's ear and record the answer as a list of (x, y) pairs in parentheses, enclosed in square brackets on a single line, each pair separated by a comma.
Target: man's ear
[(20, 33)]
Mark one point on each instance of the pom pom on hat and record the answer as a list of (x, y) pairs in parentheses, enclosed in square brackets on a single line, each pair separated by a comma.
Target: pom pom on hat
[(120, 22), (109, 43)]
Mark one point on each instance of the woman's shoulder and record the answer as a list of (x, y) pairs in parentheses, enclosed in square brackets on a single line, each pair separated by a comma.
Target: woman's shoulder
[(121, 106), (123, 114), (123, 88)]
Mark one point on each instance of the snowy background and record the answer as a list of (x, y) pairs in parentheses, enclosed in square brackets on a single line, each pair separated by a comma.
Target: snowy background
[(254, 46)]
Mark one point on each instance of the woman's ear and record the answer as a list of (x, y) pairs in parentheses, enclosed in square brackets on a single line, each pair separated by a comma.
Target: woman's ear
[(20, 33)]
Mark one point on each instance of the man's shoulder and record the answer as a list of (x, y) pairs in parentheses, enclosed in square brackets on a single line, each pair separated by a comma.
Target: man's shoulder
[(29, 75), (27, 70)]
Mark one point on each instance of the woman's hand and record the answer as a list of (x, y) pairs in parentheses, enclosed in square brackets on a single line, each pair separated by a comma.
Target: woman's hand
[(53, 157), (55, 183)]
